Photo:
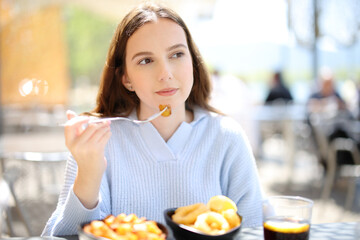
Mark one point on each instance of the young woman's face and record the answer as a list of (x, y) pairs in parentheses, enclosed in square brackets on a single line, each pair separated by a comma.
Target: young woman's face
[(159, 65)]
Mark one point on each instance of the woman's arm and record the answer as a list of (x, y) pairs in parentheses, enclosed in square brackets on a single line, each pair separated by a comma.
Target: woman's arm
[(87, 147), (80, 198)]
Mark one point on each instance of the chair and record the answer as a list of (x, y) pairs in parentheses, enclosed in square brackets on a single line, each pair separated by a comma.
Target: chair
[(351, 171), (347, 170), (321, 126), (18, 174), (10, 178), (4, 203)]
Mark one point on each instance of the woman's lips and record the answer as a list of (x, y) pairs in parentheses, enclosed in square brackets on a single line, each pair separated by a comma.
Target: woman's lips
[(167, 91)]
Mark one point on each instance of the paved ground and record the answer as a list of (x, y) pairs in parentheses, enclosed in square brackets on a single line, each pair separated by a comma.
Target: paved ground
[(38, 187)]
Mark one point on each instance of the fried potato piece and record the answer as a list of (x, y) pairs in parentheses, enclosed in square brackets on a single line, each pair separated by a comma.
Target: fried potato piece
[(100, 229)]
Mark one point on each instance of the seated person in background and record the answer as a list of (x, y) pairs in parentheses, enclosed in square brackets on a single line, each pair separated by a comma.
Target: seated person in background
[(326, 98), (278, 91), (328, 103), (358, 100)]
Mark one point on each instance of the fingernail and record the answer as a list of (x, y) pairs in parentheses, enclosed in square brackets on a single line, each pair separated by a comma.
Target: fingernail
[(70, 112), (84, 126)]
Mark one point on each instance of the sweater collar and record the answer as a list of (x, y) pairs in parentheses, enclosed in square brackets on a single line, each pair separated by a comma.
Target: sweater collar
[(165, 151), (199, 114)]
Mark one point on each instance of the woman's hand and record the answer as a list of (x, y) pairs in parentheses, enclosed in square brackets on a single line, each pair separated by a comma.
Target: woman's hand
[(87, 147)]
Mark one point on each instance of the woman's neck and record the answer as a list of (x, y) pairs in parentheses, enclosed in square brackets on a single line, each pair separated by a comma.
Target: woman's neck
[(167, 126)]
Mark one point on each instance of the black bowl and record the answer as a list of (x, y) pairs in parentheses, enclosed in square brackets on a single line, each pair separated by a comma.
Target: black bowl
[(182, 232), (86, 236)]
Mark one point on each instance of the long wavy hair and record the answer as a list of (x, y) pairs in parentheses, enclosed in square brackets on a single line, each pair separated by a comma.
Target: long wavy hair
[(113, 98)]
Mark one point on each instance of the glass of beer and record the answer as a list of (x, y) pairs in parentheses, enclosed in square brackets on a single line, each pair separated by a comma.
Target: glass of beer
[(287, 218)]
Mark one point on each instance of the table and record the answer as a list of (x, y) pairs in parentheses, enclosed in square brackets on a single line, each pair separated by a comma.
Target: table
[(284, 118), (324, 231)]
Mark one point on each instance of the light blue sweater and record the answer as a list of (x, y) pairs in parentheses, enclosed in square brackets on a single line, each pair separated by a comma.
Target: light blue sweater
[(146, 175)]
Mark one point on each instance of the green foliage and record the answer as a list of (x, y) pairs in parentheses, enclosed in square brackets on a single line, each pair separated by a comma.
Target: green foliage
[(88, 37)]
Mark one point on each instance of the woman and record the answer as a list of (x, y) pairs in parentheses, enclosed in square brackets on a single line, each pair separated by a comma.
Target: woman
[(185, 158)]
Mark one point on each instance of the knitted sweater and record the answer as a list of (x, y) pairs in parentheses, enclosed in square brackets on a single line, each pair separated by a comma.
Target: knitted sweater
[(146, 175)]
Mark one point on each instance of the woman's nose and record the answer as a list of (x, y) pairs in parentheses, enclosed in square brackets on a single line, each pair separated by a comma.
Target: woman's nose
[(164, 72)]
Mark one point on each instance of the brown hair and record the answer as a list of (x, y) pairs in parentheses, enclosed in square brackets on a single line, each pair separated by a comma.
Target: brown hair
[(113, 98)]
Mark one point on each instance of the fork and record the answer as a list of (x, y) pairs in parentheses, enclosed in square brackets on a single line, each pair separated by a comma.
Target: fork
[(128, 119), (97, 120)]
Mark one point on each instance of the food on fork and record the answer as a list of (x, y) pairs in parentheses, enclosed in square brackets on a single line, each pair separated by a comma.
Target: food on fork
[(125, 227), (216, 217), (167, 111)]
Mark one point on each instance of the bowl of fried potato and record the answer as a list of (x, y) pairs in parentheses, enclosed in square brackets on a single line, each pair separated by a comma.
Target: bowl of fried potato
[(122, 227), (218, 219)]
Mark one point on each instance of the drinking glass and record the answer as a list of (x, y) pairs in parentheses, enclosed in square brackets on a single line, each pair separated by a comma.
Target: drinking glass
[(287, 218)]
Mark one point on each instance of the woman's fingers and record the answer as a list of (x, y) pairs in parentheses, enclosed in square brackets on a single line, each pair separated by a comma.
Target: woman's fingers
[(94, 131), (70, 114), (104, 137), (83, 141), (91, 140), (74, 128)]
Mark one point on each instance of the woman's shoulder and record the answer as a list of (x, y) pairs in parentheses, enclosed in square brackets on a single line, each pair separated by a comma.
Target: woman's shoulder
[(226, 132), (219, 122)]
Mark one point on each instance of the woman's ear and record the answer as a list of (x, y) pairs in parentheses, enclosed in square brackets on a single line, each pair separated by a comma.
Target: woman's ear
[(126, 82)]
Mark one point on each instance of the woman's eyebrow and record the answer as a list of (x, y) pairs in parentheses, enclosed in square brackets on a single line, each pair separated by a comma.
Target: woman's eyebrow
[(176, 46), (179, 45), (141, 54)]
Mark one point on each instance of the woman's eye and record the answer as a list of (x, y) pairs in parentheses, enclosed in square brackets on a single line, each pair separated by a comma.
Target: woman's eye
[(145, 61), (177, 55)]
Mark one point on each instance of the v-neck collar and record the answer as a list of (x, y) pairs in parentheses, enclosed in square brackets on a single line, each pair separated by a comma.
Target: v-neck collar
[(167, 151)]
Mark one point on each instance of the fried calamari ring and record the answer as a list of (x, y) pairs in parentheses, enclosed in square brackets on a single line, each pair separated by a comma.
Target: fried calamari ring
[(232, 218), (167, 111), (187, 215), (212, 223)]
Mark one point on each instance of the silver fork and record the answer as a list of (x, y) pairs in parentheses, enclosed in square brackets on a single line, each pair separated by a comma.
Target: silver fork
[(128, 119), (97, 120)]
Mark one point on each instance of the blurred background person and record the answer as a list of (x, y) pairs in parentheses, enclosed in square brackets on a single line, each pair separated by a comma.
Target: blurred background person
[(358, 99), (350, 93), (326, 98), (328, 115), (278, 92)]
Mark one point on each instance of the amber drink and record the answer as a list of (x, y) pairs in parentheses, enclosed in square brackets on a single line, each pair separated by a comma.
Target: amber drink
[(287, 218)]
